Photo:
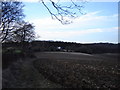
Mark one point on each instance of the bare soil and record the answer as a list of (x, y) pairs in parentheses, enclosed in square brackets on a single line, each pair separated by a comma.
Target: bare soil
[(79, 70)]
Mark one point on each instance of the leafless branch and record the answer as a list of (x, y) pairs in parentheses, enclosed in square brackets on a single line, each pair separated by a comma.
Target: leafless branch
[(63, 11)]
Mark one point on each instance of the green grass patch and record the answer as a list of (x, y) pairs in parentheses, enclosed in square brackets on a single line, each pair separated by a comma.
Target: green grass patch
[(18, 51)]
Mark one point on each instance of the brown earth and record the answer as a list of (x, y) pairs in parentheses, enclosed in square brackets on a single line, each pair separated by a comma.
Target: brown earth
[(78, 70)]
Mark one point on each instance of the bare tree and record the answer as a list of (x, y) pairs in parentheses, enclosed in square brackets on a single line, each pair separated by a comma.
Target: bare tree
[(64, 13), (25, 33), (11, 13)]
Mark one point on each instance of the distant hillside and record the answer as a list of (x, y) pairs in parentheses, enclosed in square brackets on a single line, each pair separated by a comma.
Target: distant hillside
[(91, 48), (13, 51), (74, 47)]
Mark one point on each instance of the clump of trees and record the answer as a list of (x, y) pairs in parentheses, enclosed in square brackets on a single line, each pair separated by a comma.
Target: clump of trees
[(93, 48), (12, 27)]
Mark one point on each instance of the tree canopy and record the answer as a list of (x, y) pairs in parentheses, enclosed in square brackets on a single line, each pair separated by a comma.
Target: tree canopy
[(12, 22)]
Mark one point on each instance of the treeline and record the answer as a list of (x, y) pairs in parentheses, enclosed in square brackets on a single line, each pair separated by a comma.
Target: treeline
[(93, 48), (74, 47)]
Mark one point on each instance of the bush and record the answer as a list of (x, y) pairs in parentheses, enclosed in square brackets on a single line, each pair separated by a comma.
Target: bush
[(9, 56)]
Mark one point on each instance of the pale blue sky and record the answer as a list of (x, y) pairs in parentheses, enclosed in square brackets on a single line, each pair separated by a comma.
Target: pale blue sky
[(100, 24)]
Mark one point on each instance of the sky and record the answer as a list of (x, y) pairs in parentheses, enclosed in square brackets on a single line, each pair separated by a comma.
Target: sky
[(99, 24)]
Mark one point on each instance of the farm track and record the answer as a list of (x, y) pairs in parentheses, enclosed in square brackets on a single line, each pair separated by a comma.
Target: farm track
[(22, 74)]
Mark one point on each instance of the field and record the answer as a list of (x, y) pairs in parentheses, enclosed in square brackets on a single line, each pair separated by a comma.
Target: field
[(79, 70), (64, 70)]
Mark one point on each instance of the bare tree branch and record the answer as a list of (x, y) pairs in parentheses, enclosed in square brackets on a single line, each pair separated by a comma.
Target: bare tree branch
[(11, 13), (64, 11)]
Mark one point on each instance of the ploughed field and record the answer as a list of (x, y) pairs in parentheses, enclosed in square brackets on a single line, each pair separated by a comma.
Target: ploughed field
[(79, 70)]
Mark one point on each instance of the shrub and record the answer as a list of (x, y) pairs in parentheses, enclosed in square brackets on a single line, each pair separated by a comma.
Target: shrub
[(9, 56)]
